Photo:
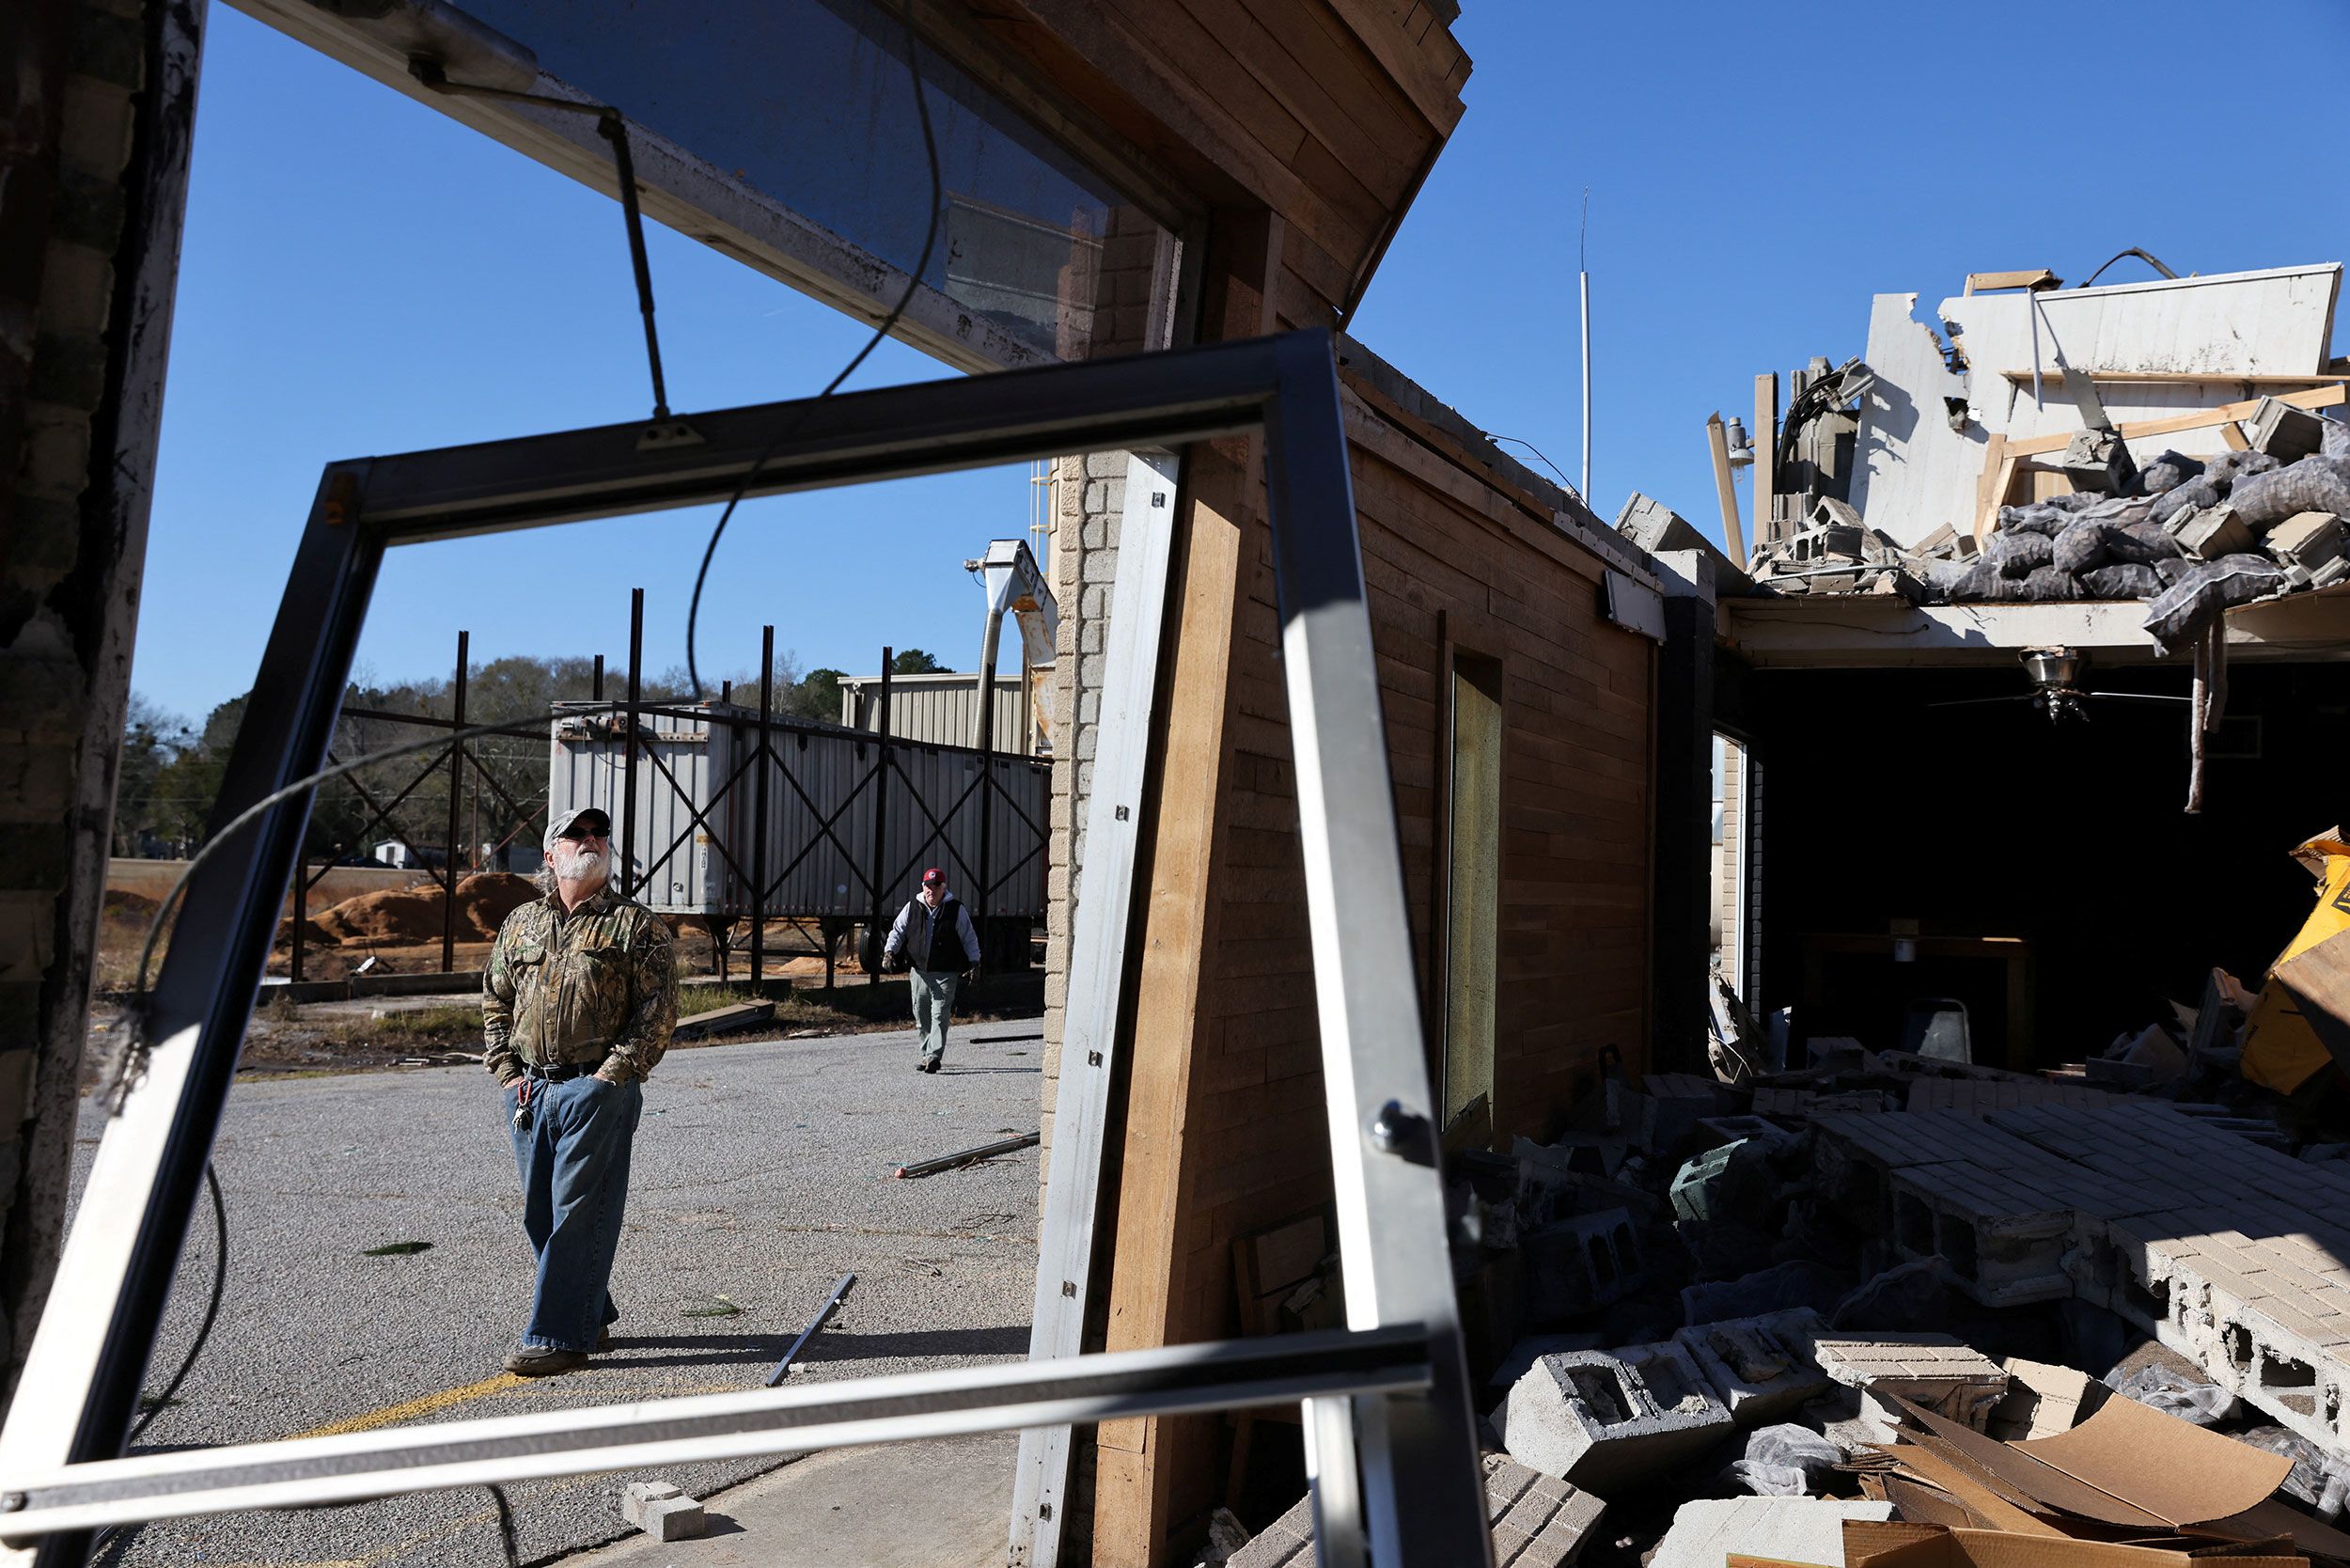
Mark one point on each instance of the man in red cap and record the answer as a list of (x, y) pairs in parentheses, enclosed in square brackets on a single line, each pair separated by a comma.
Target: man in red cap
[(933, 934)]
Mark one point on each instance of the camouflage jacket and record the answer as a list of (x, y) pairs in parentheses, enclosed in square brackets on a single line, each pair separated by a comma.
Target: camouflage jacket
[(596, 987)]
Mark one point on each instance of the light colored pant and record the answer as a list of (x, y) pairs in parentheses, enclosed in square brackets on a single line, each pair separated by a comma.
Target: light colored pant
[(933, 1006)]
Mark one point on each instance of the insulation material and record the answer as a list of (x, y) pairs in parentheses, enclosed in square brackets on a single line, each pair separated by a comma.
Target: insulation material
[(2313, 484), (2189, 606)]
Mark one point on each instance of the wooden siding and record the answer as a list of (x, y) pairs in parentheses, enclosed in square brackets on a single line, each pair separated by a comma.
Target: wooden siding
[(1233, 1136), (1326, 112)]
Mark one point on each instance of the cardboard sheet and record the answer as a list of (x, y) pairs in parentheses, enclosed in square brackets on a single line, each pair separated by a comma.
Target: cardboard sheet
[(2043, 1483), (2277, 1517), (1983, 1508), (1920, 1504), (1986, 1548), (2172, 1470)]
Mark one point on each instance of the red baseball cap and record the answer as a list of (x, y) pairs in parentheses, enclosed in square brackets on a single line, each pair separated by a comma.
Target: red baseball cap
[(932, 875)]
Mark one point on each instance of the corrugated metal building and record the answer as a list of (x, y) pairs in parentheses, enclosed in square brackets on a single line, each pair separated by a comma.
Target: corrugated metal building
[(944, 709)]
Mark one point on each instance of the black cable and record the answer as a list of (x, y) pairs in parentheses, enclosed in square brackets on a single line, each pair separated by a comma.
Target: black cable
[(196, 1346), (2117, 256), (506, 1527), (212, 1308), (913, 282), (1519, 441)]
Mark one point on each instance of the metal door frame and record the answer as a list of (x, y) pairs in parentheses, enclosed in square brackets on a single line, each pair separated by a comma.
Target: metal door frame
[(1388, 1396)]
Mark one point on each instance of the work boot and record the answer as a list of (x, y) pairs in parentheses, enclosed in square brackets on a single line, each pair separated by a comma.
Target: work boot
[(543, 1360), (932, 1065)]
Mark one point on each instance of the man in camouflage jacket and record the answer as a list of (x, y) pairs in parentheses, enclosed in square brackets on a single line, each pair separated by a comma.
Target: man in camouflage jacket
[(576, 1007)]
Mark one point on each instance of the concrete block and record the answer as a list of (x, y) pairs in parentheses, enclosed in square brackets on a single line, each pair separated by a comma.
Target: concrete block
[(1790, 1530), (1931, 1370), (2096, 459), (1288, 1540), (1607, 1418), (1582, 1262), (2212, 532), (2312, 540), (1531, 1349), (1537, 1521), (1697, 1185), (2003, 1243), (1761, 1367), (2042, 1401), (2283, 431), (662, 1511)]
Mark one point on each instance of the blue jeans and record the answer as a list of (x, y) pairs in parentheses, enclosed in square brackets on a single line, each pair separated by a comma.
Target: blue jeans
[(574, 1160)]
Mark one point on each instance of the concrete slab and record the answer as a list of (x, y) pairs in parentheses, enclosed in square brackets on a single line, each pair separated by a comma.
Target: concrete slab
[(941, 1504), (1794, 1529)]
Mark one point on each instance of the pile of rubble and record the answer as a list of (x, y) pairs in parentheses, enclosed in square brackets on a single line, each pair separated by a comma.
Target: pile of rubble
[(2193, 535), (1894, 1310)]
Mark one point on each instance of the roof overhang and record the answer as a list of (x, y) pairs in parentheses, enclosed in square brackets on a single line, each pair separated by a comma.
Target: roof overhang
[(1873, 632)]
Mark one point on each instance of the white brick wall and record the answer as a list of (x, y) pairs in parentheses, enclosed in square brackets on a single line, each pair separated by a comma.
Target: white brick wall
[(1089, 499)]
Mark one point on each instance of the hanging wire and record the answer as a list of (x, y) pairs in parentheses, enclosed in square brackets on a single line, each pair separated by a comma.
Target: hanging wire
[(913, 282)]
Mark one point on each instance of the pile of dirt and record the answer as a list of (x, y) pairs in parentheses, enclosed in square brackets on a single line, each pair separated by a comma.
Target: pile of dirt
[(484, 901), (404, 917)]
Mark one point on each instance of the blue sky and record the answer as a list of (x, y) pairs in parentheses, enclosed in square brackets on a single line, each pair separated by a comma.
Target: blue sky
[(362, 274), (1758, 172)]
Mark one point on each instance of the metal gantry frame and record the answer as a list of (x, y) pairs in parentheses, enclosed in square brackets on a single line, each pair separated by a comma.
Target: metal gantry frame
[(1387, 1404)]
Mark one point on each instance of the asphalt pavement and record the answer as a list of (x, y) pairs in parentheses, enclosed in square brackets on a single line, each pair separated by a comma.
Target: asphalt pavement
[(763, 1172)]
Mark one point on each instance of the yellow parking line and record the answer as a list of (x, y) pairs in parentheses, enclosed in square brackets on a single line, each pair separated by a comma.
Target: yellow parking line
[(392, 1414)]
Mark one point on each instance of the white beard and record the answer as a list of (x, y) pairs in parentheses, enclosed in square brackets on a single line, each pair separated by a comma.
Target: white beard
[(583, 864)]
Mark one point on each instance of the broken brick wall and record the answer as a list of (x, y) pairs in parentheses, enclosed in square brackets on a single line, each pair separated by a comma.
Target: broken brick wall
[(96, 111)]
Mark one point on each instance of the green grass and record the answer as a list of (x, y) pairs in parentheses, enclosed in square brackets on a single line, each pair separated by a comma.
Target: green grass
[(429, 1022), (692, 999)]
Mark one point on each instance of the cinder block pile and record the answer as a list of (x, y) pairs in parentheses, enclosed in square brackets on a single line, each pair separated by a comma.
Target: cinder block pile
[(2227, 1251)]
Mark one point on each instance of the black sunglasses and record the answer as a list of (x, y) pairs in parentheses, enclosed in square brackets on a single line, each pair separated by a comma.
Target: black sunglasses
[(581, 830)]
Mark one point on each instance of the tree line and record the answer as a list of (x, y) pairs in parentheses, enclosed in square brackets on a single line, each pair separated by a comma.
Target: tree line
[(171, 768)]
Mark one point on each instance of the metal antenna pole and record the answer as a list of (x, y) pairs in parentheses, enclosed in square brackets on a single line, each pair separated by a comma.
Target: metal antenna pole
[(1583, 276)]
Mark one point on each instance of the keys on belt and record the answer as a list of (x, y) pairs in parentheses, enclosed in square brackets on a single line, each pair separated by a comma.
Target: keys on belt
[(527, 1090)]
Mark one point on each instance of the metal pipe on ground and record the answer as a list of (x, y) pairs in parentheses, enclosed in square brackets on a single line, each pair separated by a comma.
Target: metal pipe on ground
[(966, 1156)]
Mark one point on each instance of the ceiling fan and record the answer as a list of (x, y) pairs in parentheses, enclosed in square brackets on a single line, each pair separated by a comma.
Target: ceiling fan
[(2055, 687)]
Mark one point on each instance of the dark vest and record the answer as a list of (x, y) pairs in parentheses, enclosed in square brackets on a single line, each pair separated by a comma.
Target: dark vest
[(946, 952)]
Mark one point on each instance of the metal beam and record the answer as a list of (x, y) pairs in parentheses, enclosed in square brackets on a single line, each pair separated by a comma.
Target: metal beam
[(313, 1471), (1422, 1497), (1103, 919), (859, 437)]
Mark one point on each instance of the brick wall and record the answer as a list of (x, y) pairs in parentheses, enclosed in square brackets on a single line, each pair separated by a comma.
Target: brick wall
[(95, 117), (1089, 499)]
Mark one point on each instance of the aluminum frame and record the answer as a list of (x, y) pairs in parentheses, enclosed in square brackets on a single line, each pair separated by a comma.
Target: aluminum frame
[(1387, 1400)]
